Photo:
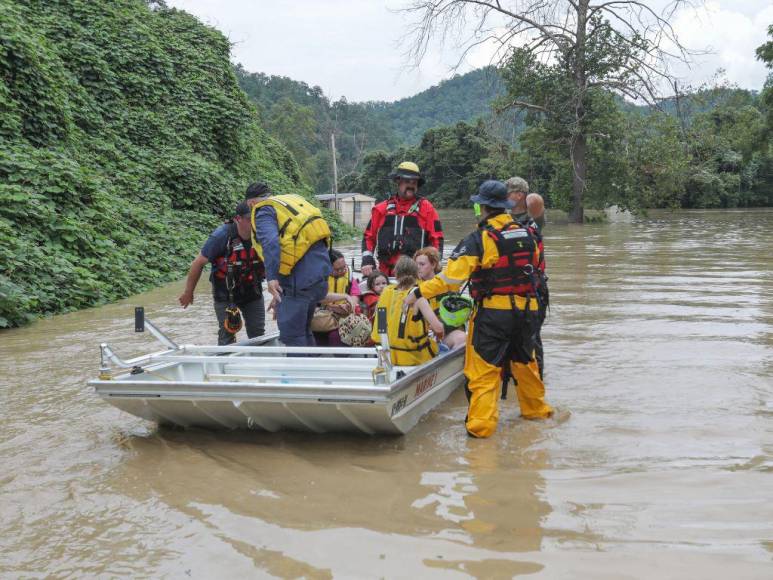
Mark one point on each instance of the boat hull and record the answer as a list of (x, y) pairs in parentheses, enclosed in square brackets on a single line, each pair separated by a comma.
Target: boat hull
[(253, 387)]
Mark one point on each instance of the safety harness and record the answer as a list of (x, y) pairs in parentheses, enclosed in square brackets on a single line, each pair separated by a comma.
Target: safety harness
[(239, 267), (514, 273), (400, 234), (543, 293), (240, 263)]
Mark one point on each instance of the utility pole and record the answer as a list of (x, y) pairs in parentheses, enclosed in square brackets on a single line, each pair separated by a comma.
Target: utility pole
[(335, 169)]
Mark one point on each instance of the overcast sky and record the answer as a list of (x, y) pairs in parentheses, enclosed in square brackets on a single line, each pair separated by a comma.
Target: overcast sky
[(353, 48)]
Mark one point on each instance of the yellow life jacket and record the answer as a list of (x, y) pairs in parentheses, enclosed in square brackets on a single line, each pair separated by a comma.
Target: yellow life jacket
[(301, 225), (340, 285), (408, 340)]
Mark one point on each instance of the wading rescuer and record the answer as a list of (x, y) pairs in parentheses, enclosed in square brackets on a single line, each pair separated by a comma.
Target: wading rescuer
[(499, 259), (292, 238), (529, 211), (401, 225), (237, 275)]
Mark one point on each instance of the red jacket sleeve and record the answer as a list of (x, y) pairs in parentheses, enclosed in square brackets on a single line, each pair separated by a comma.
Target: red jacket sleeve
[(433, 226), (369, 236)]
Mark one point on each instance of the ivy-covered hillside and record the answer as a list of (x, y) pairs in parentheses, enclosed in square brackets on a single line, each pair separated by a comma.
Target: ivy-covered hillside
[(124, 139)]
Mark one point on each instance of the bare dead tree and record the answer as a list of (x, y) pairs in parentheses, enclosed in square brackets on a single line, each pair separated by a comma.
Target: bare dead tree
[(622, 46)]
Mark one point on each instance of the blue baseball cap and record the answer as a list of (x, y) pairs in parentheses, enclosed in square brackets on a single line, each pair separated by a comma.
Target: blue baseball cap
[(492, 193)]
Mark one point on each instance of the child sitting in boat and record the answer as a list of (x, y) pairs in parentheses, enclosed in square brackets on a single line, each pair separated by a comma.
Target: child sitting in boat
[(407, 331), (376, 283)]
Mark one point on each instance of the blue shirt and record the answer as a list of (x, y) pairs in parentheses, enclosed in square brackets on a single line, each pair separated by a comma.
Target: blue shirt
[(310, 269), (216, 247)]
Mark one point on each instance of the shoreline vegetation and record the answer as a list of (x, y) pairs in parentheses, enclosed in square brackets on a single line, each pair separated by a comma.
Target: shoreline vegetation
[(125, 140), (127, 135)]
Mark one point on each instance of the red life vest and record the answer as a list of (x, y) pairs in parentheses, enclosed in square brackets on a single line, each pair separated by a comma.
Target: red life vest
[(370, 299), (515, 272), (247, 267)]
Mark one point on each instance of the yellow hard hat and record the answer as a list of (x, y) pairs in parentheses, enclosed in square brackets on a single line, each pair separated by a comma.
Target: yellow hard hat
[(407, 170)]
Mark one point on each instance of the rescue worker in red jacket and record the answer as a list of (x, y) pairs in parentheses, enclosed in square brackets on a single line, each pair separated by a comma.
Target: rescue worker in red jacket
[(500, 260), (401, 225)]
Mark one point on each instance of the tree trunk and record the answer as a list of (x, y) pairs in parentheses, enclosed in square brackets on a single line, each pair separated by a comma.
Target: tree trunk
[(579, 147), (579, 158)]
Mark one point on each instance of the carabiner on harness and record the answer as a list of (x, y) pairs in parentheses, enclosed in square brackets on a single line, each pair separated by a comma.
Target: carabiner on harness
[(233, 319)]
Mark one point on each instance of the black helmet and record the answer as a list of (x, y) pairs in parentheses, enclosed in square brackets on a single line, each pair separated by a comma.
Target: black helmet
[(258, 189)]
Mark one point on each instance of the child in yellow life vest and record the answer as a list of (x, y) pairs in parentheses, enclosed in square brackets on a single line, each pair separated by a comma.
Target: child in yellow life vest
[(408, 331)]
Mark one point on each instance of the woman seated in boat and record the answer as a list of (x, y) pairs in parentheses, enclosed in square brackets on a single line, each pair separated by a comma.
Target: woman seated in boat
[(376, 283), (407, 331), (342, 299), (428, 263)]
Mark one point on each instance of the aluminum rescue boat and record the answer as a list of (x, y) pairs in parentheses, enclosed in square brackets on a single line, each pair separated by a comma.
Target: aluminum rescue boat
[(261, 384)]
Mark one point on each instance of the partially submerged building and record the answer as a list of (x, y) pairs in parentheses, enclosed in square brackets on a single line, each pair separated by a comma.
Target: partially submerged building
[(354, 208)]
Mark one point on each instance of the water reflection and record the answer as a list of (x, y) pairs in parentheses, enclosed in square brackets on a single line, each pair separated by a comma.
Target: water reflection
[(359, 501)]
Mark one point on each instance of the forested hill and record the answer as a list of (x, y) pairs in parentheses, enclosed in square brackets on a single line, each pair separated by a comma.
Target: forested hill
[(303, 118), (125, 139), (462, 98), (440, 129)]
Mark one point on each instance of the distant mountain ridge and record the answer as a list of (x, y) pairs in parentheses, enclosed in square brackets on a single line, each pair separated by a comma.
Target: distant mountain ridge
[(303, 118), (466, 97)]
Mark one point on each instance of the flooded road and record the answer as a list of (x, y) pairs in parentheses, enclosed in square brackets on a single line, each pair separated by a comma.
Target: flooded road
[(659, 464)]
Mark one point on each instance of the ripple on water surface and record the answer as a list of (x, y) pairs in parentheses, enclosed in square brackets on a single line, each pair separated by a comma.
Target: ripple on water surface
[(659, 364)]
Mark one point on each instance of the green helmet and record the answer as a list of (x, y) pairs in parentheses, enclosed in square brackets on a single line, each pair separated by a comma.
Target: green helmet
[(455, 309)]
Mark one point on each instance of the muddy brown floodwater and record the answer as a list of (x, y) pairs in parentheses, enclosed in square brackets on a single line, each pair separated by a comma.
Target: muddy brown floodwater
[(658, 464)]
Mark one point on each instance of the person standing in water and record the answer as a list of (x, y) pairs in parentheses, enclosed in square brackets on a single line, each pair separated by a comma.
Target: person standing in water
[(499, 260), (529, 211)]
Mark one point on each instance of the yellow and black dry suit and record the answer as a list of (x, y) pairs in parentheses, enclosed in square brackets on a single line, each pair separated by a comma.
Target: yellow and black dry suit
[(409, 343), (499, 260), (301, 225)]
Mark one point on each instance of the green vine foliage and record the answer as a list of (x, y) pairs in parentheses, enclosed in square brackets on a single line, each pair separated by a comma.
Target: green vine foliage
[(124, 140)]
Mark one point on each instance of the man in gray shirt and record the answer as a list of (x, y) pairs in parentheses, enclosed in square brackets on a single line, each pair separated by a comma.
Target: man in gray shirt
[(527, 205), (529, 211)]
